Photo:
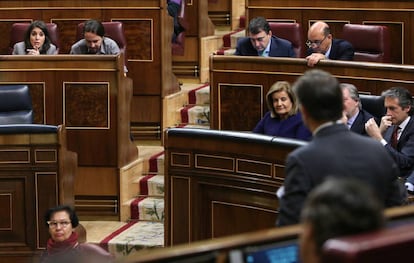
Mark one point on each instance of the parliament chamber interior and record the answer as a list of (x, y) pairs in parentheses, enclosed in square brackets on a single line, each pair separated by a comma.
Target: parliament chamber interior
[(153, 146)]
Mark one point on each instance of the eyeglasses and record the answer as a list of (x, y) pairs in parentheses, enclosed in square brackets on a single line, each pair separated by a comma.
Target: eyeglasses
[(315, 43), (54, 224)]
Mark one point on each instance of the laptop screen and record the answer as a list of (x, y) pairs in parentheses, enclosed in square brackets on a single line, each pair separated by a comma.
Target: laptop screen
[(284, 252)]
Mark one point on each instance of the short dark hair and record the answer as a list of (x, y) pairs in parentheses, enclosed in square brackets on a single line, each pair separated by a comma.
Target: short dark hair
[(94, 26), (42, 26), (319, 93), (72, 214), (402, 94), (342, 206), (258, 24)]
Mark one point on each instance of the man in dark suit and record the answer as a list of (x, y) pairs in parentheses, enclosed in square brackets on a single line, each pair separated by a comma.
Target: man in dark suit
[(334, 150), (323, 46), (396, 131), (261, 42), (356, 117)]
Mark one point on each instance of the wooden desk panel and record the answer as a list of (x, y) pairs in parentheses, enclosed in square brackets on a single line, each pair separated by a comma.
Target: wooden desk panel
[(91, 96), (36, 172), (239, 84), (215, 187)]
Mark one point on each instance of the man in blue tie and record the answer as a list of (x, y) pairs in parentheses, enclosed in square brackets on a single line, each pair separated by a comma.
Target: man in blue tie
[(261, 42)]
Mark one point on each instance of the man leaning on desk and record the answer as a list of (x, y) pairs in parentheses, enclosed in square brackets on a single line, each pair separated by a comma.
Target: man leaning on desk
[(322, 45), (261, 42)]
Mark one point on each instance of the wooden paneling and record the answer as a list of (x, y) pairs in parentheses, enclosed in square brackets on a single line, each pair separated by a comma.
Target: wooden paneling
[(200, 26), (149, 65), (248, 79), (91, 96), (398, 15), (215, 187), (36, 172)]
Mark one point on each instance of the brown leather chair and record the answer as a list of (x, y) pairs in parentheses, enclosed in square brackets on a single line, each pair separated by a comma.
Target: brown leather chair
[(393, 244), (371, 42), (18, 31), (291, 32), (113, 30)]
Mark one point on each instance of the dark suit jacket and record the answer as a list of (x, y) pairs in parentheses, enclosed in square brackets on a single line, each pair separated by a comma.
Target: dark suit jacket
[(336, 151), (340, 50), (404, 154), (359, 123), (279, 47)]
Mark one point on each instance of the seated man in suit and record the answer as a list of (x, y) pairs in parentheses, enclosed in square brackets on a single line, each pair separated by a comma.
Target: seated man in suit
[(323, 46), (338, 207), (356, 117), (396, 131), (261, 42), (94, 41)]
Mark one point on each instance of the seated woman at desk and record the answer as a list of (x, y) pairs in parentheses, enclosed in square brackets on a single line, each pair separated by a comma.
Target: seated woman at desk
[(63, 245), (283, 118), (36, 41)]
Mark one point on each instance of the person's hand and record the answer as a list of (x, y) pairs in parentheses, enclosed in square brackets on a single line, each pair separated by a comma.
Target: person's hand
[(385, 123), (33, 51), (373, 130), (344, 119), (314, 58)]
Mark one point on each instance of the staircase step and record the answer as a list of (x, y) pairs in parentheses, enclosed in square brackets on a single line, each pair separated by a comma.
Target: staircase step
[(193, 126), (133, 237), (151, 185), (148, 209), (156, 163), (196, 114), (200, 95)]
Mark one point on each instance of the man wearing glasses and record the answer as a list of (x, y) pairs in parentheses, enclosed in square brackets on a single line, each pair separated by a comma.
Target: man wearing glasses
[(262, 43), (322, 45)]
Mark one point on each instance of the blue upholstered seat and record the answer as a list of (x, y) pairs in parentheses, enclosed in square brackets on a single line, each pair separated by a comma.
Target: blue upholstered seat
[(15, 105)]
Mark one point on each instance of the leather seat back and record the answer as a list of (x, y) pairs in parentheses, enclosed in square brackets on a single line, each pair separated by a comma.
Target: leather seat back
[(291, 32), (371, 42), (15, 105)]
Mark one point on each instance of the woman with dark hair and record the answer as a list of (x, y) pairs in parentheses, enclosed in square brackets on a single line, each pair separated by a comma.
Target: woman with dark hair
[(63, 245), (283, 118), (36, 41)]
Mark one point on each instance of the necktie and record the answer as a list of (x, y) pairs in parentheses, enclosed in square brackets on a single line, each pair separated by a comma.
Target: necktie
[(394, 137)]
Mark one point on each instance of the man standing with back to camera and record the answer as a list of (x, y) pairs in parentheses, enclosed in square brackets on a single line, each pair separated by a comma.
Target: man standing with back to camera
[(334, 150)]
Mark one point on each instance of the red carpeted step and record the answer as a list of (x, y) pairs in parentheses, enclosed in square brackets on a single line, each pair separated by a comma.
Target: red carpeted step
[(134, 207), (192, 94), (227, 38), (153, 162), (143, 184), (104, 242), (184, 113)]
